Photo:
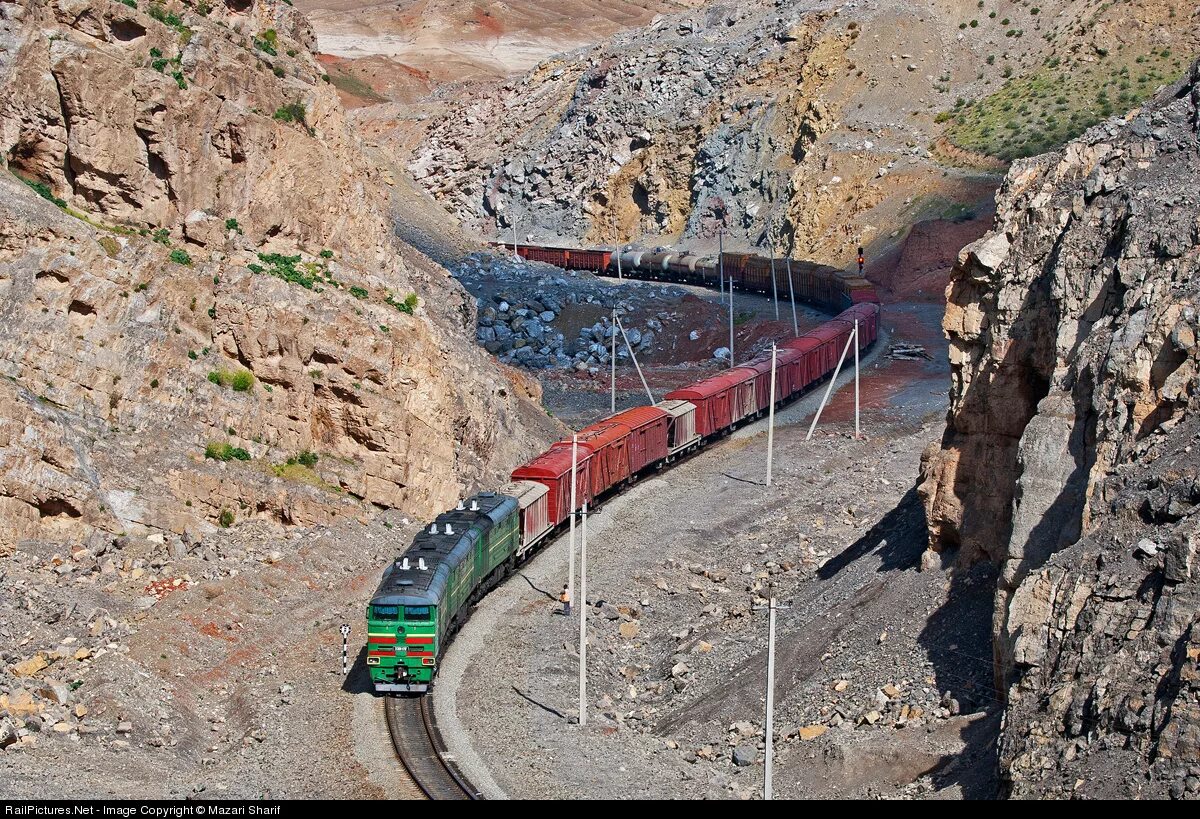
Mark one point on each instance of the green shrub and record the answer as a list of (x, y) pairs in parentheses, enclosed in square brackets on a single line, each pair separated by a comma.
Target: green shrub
[(131, 3), (407, 306), (284, 267), (232, 224), (326, 254), (268, 42), (43, 190), (307, 458), (359, 293), (225, 451), (292, 112), (162, 236), (226, 518), (242, 381), (180, 256), (237, 380)]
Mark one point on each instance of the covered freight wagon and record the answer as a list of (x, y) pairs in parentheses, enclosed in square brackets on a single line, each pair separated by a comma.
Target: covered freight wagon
[(720, 400), (553, 469), (648, 435), (607, 444)]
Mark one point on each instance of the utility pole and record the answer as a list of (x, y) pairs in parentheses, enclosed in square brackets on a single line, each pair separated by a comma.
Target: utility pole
[(637, 366), (583, 619), (770, 728), (619, 276), (829, 389), (772, 606), (574, 486), (857, 426), (613, 357), (792, 293), (771, 417)]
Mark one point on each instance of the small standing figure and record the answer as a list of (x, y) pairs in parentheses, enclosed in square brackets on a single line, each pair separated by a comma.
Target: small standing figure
[(565, 599)]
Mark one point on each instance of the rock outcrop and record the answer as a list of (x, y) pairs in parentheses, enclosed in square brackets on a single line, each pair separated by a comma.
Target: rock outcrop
[(1068, 454), (208, 287)]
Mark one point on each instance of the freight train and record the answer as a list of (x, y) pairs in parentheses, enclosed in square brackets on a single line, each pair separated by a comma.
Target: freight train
[(817, 284), (428, 590)]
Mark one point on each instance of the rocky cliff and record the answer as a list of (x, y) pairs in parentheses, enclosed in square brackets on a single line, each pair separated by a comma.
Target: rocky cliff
[(199, 284), (810, 126), (1068, 454)]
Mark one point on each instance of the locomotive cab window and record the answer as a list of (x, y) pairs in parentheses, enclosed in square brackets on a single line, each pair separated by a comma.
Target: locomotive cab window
[(418, 613), (385, 612)]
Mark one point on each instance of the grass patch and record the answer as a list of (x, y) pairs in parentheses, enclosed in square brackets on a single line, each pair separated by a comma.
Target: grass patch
[(218, 451), (237, 380), (1057, 102), (355, 87)]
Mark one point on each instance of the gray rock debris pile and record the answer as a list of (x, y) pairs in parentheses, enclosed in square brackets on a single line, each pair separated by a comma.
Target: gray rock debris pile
[(522, 305)]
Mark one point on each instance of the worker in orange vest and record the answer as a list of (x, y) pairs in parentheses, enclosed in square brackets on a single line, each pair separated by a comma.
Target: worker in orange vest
[(565, 599)]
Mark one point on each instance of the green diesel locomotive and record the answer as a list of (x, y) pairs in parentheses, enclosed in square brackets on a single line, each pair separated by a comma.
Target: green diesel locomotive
[(448, 567)]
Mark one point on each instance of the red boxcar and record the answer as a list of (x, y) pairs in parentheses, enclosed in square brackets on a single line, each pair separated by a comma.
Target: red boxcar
[(648, 427), (553, 468), (715, 398), (607, 444), (787, 369)]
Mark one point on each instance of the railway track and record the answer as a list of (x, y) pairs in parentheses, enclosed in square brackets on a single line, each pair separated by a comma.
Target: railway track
[(422, 751)]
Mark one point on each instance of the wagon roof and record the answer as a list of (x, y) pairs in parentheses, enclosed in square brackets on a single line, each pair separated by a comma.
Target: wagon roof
[(640, 416), (553, 463), (762, 362), (597, 436), (711, 386)]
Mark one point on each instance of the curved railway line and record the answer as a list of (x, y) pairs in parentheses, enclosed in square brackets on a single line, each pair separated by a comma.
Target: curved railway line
[(477, 546), (422, 751)]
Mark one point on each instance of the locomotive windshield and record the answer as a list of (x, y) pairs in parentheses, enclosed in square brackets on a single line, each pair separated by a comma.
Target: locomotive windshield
[(385, 612), (417, 612)]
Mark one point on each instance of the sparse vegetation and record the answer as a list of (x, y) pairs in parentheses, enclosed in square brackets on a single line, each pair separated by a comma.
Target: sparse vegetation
[(43, 190), (292, 112), (284, 267), (237, 380), (232, 224), (111, 246), (268, 42), (225, 519), (359, 293), (1055, 103), (180, 256), (225, 451), (407, 306)]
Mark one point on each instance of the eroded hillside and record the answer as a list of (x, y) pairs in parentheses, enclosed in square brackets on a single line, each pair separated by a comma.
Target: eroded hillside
[(208, 216), (225, 385), (1068, 454), (806, 126)]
